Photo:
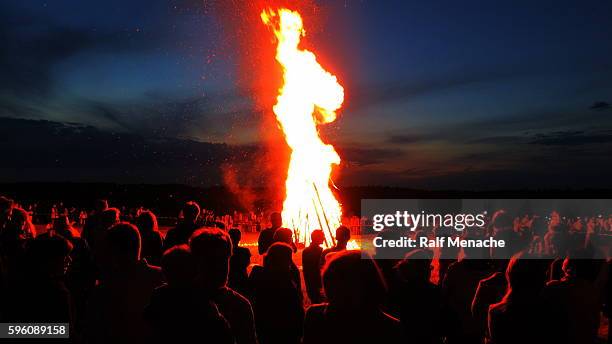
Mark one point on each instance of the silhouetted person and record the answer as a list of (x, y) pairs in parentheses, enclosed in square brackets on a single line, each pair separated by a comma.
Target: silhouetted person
[(117, 304), (458, 290), (556, 244), (343, 235), (285, 235), (184, 229), (492, 289), (311, 267), (93, 224), (276, 298), (502, 226), (40, 295), (539, 226), (448, 254), (266, 236), (212, 249), (574, 302), (519, 317), (178, 313), (418, 300), (6, 207), (18, 228), (13, 240), (239, 262), (152, 242), (109, 218), (97, 241), (355, 289), (97, 232), (20, 224), (81, 274)]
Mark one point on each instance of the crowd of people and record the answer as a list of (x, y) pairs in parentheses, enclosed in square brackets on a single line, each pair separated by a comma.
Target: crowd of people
[(125, 282)]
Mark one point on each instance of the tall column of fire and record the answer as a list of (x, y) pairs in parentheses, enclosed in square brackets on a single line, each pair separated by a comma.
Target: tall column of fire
[(309, 96)]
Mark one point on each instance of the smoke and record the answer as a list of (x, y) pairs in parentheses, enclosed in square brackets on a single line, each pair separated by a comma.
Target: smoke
[(259, 178), (243, 193)]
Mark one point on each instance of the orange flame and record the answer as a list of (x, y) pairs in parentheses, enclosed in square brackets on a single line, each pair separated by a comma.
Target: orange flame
[(309, 96)]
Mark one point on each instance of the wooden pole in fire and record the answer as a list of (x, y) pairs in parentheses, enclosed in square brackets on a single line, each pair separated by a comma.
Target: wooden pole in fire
[(329, 230), (319, 218), (296, 230)]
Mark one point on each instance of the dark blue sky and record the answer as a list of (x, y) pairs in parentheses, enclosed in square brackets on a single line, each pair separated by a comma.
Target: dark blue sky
[(443, 94)]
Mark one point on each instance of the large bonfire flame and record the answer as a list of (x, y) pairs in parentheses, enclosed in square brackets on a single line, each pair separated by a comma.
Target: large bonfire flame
[(309, 96)]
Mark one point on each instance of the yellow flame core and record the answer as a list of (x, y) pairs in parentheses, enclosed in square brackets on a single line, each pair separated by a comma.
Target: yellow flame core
[(309, 96)]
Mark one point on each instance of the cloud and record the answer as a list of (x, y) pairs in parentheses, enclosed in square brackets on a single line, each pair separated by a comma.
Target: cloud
[(497, 140), (210, 117), (403, 139), (520, 128), (397, 91), (56, 151), (77, 152), (368, 156), (572, 138), (600, 106)]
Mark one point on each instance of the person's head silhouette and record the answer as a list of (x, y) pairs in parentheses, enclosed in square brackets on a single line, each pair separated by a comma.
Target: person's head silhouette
[(343, 235), (124, 243), (276, 219), (579, 263), (21, 223), (191, 212), (352, 281), (62, 226), (415, 267), (100, 205), (502, 221), (317, 237), (211, 249), (48, 256), (146, 222), (178, 266), (283, 235), (278, 258), (235, 235), (524, 276), (6, 206), (109, 217)]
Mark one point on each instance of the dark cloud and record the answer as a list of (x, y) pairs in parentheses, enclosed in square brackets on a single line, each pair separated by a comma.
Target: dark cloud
[(368, 156), (159, 117), (52, 151), (505, 130), (497, 140), (55, 151), (403, 139), (405, 89), (572, 138), (107, 114), (544, 176), (201, 117), (402, 90), (600, 106)]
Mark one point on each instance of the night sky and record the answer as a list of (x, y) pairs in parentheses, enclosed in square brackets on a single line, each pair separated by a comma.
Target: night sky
[(440, 94)]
